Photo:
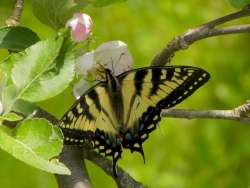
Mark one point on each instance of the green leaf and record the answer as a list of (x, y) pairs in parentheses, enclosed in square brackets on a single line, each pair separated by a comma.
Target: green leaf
[(24, 107), (28, 148), (239, 3), (11, 117), (15, 38), (101, 3), (8, 98), (40, 72), (41, 136), (55, 13)]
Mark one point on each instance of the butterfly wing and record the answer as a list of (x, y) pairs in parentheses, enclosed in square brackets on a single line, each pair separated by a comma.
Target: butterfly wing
[(91, 119), (149, 90)]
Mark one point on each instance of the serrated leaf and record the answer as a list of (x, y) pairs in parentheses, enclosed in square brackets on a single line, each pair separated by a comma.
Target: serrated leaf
[(101, 3), (24, 152), (55, 13), (239, 3), (11, 117), (40, 72), (15, 38)]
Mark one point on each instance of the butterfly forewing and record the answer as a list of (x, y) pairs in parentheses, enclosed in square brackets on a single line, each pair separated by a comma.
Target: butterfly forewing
[(148, 90), (91, 112)]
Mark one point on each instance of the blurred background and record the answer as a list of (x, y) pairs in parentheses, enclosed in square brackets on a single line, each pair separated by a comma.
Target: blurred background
[(180, 153)]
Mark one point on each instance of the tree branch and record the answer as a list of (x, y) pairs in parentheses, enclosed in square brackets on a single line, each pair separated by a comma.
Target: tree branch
[(204, 31), (73, 157), (237, 114), (123, 180), (14, 19)]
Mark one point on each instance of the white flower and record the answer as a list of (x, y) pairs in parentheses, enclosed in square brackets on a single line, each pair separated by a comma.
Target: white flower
[(113, 55)]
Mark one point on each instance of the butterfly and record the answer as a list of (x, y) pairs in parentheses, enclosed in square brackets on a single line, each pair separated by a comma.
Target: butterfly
[(120, 111)]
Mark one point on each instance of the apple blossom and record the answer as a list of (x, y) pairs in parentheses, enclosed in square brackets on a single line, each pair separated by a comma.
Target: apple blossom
[(81, 26), (113, 55)]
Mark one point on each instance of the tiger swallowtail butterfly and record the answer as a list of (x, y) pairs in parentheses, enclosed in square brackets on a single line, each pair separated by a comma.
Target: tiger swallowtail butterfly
[(120, 111)]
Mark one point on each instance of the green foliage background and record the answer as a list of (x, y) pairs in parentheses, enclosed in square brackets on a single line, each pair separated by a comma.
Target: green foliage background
[(180, 153)]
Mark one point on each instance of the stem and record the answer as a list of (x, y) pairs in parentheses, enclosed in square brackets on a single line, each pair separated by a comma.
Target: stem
[(14, 18), (236, 114), (72, 157)]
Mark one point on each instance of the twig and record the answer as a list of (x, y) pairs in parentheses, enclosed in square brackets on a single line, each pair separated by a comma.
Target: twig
[(72, 157), (123, 180), (236, 114), (204, 31), (14, 19)]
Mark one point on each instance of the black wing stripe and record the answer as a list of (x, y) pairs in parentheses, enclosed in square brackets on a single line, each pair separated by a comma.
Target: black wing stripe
[(197, 79), (95, 98), (156, 81), (76, 136), (85, 107), (170, 73), (139, 77)]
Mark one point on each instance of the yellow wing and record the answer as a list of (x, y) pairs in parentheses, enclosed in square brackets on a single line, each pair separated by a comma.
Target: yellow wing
[(147, 91), (91, 118)]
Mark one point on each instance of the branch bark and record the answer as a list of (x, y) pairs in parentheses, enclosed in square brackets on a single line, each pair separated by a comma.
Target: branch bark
[(237, 114), (204, 31), (14, 18), (124, 180), (72, 157)]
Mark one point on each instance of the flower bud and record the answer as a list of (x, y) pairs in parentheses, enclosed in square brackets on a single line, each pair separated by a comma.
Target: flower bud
[(81, 26)]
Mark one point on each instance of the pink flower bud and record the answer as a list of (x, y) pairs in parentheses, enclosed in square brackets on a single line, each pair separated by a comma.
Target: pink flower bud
[(81, 26)]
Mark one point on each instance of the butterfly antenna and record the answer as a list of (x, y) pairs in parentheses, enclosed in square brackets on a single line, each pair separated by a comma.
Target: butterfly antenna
[(112, 65), (119, 59)]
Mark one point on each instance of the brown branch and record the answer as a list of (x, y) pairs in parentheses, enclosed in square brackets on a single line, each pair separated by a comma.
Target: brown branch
[(204, 31), (74, 156), (236, 114), (123, 180), (14, 19)]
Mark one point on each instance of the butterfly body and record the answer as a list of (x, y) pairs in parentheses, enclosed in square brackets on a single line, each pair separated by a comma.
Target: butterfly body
[(122, 110)]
